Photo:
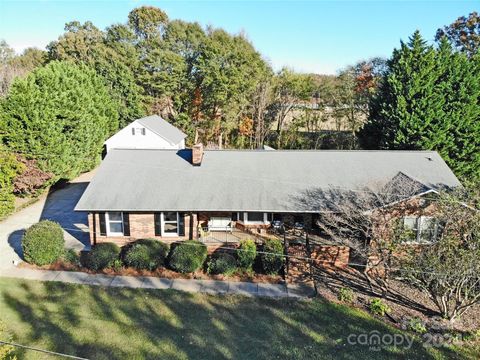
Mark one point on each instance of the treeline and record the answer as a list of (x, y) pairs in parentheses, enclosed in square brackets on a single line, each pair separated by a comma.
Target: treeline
[(59, 105)]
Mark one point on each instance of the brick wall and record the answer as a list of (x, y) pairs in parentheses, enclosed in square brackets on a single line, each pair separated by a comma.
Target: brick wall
[(298, 266), (141, 226)]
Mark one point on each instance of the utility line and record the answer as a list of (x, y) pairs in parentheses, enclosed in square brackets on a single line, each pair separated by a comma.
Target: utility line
[(42, 350)]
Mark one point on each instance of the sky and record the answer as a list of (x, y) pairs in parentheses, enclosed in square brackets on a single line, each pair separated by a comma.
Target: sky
[(308, 36)]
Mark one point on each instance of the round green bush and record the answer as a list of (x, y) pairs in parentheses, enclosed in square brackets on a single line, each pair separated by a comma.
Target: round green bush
[(188, 256), (101, 256), (43, 243), (272, 259), (222, 263), (146, 254), (247, 253)]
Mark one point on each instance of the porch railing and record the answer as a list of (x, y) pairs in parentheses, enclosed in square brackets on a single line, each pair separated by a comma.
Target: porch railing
[(222, 235)]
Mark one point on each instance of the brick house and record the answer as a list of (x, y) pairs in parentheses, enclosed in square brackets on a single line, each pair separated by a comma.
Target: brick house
[(174, 195)]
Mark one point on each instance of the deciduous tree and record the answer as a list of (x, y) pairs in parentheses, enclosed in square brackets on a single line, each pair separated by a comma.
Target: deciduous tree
[(448, 270), (463, 33)]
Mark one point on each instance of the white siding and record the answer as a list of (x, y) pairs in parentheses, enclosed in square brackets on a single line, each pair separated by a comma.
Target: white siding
[(124, 139)]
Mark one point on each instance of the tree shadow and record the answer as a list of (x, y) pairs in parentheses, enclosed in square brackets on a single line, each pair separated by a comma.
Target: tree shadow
[(59, 207), (15, 242), (116, 323), (333, 279)]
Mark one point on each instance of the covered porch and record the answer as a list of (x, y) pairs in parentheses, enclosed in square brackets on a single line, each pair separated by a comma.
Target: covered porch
[(232, 227)]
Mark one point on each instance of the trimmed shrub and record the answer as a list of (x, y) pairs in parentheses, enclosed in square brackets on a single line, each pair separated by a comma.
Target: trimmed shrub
[(273, 260), (71, 256), (188, 256), (117, 265), (222, 263), (101, 256), (43, 243), (247, 253), (146, 254), (378, 307)]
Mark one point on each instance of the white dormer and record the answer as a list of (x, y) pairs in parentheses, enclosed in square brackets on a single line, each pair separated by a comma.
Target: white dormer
[(151, 132)]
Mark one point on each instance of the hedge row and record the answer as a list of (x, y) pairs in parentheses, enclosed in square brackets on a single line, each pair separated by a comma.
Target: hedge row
[(186, 257), (43, 244)]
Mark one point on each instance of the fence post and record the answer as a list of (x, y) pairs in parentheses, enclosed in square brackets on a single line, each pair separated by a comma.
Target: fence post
[(310, 261), (285, 250)]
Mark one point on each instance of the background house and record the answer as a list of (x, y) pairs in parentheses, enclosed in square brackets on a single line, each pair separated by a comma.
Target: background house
[(151, 132)]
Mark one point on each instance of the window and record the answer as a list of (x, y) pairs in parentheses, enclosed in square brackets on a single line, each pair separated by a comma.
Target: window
[(170, 223), (255, 217), (138, 131), (114, 223), (424, 228)]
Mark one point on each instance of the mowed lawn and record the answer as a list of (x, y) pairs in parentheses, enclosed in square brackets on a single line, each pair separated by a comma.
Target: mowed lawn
[(113, 323)]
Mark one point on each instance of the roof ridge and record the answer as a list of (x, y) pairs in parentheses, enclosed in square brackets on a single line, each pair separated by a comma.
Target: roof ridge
[(290, 150)]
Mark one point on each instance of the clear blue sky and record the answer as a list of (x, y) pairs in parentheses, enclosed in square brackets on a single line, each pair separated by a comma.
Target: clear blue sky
[(313, 36)]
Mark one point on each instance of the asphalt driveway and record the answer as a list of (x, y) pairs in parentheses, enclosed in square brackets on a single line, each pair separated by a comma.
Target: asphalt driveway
[(57, 206)]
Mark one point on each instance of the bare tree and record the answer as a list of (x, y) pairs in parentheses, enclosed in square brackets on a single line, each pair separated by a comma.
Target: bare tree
[(449, 269), (261, 99), (365, 220)]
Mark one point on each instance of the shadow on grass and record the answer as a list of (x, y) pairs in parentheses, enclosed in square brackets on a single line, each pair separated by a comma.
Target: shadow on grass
[(334, 279), (114, 323)]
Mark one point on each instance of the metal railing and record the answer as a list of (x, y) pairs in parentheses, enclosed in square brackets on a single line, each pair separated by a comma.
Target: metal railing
[(218, 235)]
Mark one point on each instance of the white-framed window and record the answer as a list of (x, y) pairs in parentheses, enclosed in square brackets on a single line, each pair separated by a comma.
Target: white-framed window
[(170, 223), (252, 217), (114, 220), (138, 131), (424, 228)]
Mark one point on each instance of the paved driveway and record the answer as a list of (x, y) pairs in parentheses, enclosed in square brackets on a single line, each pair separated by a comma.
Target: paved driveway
[(57, 206)]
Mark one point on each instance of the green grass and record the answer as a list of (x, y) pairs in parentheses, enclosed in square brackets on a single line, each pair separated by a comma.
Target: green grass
[(112, 323)]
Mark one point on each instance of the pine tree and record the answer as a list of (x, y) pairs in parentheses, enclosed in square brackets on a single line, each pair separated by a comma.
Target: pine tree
[(429, 100)]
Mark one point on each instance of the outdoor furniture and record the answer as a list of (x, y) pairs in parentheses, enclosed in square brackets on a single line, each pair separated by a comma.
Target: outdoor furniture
[(277, 226), (220, 224), (298, 227)]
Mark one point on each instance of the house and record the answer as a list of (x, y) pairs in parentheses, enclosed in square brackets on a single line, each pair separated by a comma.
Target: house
[(182, 194), (151, 132)]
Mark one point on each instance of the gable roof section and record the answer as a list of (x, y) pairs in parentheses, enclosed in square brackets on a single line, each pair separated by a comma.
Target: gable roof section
[(236, 180), (162, 128)]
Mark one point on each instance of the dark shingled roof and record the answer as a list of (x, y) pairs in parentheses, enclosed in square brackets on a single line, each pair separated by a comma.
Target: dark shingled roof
[(243, 180)]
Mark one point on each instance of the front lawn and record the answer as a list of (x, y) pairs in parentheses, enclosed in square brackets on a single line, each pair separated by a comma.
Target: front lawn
[(113, 323)]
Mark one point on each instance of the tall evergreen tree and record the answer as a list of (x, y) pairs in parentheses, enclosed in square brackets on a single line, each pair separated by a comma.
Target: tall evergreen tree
[(60, 114), (429, 99), (86, 44)]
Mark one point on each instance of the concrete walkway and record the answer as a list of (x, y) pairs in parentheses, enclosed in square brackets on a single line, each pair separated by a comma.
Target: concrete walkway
[(146, 282)]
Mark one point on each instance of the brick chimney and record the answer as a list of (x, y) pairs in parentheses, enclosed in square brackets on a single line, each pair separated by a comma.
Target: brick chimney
[(197, 154)]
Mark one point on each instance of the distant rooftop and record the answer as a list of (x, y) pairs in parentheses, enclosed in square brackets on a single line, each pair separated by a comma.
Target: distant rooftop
[(242, 180), (163, 128)]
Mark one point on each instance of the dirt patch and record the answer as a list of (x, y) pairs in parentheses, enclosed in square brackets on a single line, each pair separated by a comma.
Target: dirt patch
[(405, 302)]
